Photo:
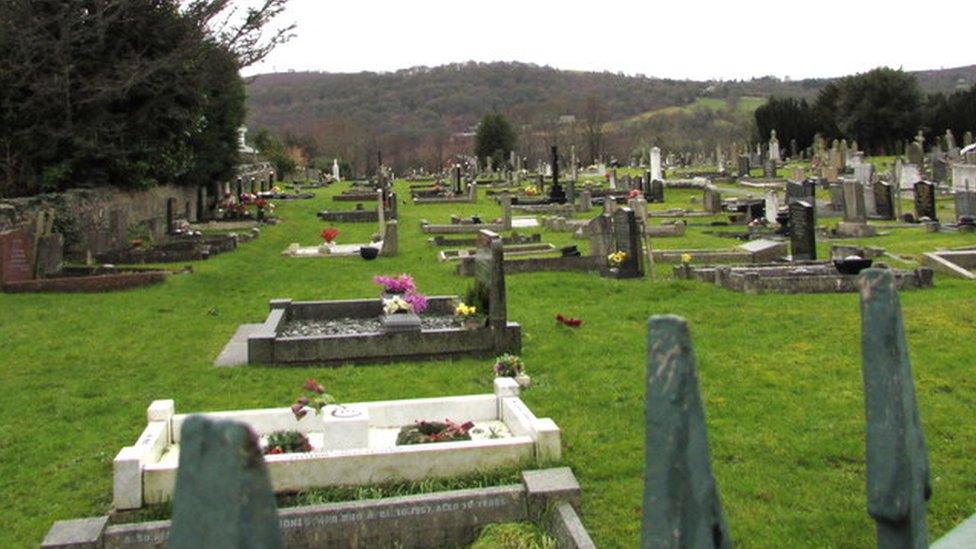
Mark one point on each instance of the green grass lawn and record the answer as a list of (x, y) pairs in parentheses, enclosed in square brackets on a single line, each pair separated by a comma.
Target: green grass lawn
[(780, 377)]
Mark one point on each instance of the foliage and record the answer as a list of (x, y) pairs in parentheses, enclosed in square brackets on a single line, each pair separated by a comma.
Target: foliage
[(274, 150), (425, 432), (791, 118), (477, 296), (517, 535), (287, 442), (124, 93), (495, 138)]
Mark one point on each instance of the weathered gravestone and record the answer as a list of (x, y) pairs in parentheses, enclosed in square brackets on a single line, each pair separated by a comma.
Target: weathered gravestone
[(223, 496), (855, 213), (803, 237), (627, 239), (964, 177), (965, 203), (50, 255), (799, 190), (682, 507), (489, 272), (601, 237), (15, 256), (742, 165), (656, 173), (712, 199), (657, 191), (884, 200), (940, 170), (769, 169), (925, 200), (898, 483)]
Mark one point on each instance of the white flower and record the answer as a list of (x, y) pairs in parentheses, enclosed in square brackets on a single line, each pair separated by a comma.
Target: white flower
[(395, 304)]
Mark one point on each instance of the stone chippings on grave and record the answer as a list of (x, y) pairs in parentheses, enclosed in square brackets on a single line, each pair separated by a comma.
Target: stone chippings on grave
[(925, 201), (803, 240)]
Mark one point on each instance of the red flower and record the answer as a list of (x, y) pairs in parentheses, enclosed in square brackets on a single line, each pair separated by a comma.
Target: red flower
[(634, 193), (312, 385), (299, 411), (330, 234), (274, 451), (560, 318)]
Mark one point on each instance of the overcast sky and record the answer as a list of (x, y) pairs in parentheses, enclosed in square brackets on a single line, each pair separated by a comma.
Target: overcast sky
[(695, 39)]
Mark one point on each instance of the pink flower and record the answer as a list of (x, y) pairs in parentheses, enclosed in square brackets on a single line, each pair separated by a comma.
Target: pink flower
[(299, 411), (313, 386), (418, 302), (396, 284)]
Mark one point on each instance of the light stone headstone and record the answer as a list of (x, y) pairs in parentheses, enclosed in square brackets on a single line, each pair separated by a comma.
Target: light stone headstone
[(656, 173), (772, 206), (773, 147), (964, 177), (965, 203)]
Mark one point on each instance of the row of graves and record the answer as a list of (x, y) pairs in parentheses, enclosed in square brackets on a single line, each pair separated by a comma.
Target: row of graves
[(222, 480), (35, 258)]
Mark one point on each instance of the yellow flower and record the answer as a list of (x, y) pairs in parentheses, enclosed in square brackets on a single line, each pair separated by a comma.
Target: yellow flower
[(465, 310), (686, 258)]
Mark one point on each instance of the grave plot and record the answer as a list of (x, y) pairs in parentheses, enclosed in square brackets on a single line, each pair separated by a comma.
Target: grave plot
[(474, 224), (457, 193), (386, 208), (515, 238), (509, 250), (807, 277), (388, 329), (177, 249), (330, 248), (37, 265), (356, 444), (957, 263)]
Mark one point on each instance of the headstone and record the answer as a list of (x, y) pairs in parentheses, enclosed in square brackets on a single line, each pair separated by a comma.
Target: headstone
[(836, 191), (50, 255), (925, 200), (390, 239), (171, 205), (489, 271), (627, 238), (964, 177), (897, 466), (613, 179), (915, 154), (335, 169), (939, 170), (656, 173), (203, 206), (803, 236), (586, 200), (884, 200), (773, 147), (908, 176), (223, 497), (798, 190), (600, 229), (854, 209), (15, 256), (772, 206), (742, 165), (657, 191), (712, 199), (769, 169), (863, 173), (965, 203), (681, 505)]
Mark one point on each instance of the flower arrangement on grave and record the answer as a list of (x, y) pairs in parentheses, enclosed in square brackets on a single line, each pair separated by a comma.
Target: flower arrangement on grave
[(398, 284), (314, 399), (329, 235), (634, 193), (531, 190), (568, 321), (616, 259), (508, 365), (686, 258), (286, 442), (263, 207), (426, 432), (468, 316)]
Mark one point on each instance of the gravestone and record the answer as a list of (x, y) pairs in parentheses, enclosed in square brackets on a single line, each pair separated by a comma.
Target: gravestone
[(802, 190), (681, 505), (908, 175), (15, 256), (897, 466), (656, 173), (601, 238), (940, 170), (925, 201), (836, 191), (855, 212), (863, 173), (884, 200), (742, 165), (964, 177), (712, 199), (769, 169), (613, 179), (456, 179), (586, 200), (803, 236), (627, 239), (657, 191), (965, 203), (203, 208), (773, 148), (223, 497), (171, 205), (489, 271), (915, 154), (772, 206), (50, 255)]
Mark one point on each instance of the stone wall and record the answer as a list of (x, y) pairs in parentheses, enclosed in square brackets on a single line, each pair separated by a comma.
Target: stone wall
[(101, 219)]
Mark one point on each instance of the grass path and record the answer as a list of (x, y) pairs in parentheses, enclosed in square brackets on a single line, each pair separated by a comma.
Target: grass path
[(780, 377)]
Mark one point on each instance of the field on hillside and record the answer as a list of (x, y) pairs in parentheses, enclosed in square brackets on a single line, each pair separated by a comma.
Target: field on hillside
[(780, 376)]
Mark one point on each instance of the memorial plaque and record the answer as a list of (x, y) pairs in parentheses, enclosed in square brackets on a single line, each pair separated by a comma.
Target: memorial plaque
[(884, 200), (925, 200), (803, 237), (15, 259)]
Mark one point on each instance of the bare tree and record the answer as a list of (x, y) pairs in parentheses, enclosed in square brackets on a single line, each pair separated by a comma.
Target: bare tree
[(594, 117)]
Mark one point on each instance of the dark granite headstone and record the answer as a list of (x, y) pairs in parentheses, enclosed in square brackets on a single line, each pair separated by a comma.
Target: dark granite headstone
[(925, 200), (657, 192), (15, 256), (627, 238), (884, 200), (203, 208), (456, 179), (803, 237), (799, 190), (489, 272), (171, 205)]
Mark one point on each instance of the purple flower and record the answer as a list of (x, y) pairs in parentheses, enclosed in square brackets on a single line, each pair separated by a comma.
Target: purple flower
[(418, 302), (396, 284)]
